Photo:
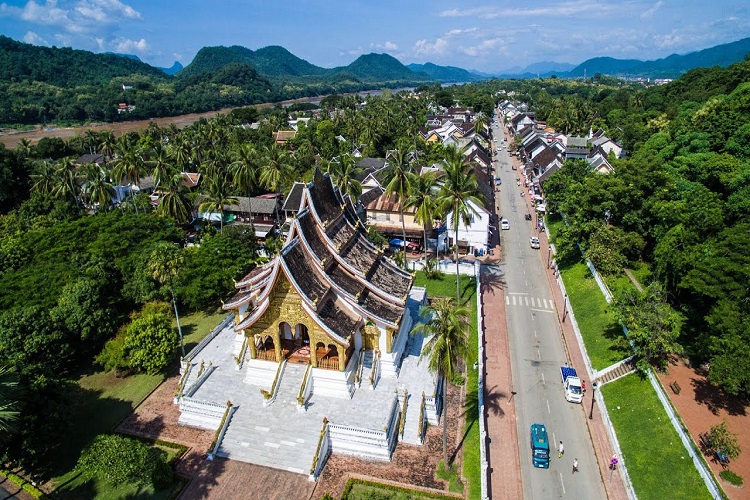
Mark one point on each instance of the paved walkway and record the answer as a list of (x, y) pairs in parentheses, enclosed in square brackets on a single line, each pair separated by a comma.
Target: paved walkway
[(613, 485), (502, 454)]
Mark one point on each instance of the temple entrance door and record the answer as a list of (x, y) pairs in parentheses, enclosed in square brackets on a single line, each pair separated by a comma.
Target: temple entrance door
[(300, 345)]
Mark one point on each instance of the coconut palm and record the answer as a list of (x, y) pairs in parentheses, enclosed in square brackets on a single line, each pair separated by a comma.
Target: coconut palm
[(216, 194), (165, 263), (421, 198), (244, 171), (66, 180), (161, 165), (447, 333), (175, 200), (459, 188), (397, 182), (107, 144), (9, 404), (129, 168), (276, 169), (97, 188), (44, 178), (344, 172)]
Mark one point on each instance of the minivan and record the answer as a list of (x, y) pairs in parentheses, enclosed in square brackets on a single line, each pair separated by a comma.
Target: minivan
[(539, 446)]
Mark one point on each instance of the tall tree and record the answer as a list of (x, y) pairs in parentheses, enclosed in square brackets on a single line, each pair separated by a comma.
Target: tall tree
[(8, 401), (459, 190), (217, 193), (447, 333), (97, 188), (397, 183), (129, 168), (245, 175), (66, 180), (422, 199), (344, 171), (276, 168), (175, 201), (164, 264)]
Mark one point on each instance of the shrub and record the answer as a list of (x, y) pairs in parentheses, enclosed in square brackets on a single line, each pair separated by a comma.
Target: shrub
[(731, 477)]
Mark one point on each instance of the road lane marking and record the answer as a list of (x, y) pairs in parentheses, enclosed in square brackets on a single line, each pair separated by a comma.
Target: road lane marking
[(535, 335), (545, 304), (507, 300), (562, 483), (514, 301), (538, 356), (548, 408), (527, 300), (544, 382), (543, 310)]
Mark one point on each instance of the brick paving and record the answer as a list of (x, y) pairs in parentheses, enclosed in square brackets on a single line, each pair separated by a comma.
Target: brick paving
[(502, 454), (613, 485), (702, 406)]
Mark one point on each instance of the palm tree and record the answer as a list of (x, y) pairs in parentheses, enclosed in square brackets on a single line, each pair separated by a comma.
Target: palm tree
[(244, 170), (8, 402), (161, 164), (480, 122), (175, 200), (276, 169), (397, 183), (66, 180), (129, 168), (216, 196), (447, 346), (422, 199), (344, 171), (44, 177), (459, 188), (108, 143), (165, 263), (97, 188)]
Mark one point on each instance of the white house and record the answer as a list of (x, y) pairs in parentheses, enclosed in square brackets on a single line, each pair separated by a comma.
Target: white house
[(476, 236)]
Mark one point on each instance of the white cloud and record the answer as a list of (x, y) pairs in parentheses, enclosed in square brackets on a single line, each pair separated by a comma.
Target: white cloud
[(127, 46), (177, 56), (483, 48), (47, 14), (578, 8), (35, 39), (425, 48), (388, 46), (83, 16), (648, 14)]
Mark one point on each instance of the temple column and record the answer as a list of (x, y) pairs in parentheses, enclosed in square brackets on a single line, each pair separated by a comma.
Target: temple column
[(277, 344)]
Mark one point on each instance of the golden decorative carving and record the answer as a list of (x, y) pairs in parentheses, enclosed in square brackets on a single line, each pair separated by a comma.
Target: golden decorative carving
[(370, 336)]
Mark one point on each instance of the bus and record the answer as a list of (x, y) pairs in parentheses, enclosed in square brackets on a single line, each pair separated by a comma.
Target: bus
[(539, 446)]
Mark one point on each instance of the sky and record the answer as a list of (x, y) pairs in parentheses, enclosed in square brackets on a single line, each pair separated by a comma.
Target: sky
[(492, 36)]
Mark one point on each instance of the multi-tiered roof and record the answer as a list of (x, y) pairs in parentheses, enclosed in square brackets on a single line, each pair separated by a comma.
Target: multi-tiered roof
[(342, 278)]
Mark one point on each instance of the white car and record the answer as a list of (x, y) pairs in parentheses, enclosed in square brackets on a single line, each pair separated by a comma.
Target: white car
[(504, 224), (534, 242)]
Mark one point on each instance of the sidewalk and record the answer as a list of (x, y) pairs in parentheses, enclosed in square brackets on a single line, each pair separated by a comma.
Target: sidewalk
[(502, 453), (612, 483)]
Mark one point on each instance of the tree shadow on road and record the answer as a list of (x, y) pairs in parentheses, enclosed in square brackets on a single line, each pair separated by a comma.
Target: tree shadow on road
[(492, 402)]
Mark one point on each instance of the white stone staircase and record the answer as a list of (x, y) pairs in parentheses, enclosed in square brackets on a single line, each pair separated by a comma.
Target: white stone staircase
[(290, 446), (411, 424)]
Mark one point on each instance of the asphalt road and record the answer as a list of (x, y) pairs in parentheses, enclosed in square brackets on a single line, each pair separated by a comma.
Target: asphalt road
[(537, 352)]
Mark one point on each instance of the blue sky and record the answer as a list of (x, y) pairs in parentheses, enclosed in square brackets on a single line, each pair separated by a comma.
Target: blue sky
[(490, 36)]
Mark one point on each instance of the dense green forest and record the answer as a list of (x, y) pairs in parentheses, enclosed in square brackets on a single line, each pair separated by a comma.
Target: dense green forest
[(60, 85)]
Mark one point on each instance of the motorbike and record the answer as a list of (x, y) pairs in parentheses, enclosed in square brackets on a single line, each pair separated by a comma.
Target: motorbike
[(527, 216)]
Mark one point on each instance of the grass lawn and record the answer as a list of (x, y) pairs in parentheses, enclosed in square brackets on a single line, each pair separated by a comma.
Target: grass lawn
[(446, 287), (365, 490), (657, 461), (102, 400), (599, 329)]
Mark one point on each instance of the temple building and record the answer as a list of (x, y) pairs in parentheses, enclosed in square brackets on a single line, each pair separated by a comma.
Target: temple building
[(329, 297), (317, 355)]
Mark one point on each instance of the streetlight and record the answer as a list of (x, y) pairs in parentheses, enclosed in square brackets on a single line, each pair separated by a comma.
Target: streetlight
[(593, 392), (565, 307), (549, 256)]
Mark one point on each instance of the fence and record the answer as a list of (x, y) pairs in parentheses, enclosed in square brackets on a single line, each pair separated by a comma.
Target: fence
[(480, 388)]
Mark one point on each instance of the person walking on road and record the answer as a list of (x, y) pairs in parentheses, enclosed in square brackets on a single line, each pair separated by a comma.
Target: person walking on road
[(575, 465), (560, 450)]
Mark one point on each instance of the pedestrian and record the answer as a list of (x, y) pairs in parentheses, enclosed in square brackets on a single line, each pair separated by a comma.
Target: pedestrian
[(560, 449), (575, 465), (613, 462), (583, 386)]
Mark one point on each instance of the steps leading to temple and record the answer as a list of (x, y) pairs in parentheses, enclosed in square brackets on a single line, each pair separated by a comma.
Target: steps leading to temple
[(411, 424), (290, 446)]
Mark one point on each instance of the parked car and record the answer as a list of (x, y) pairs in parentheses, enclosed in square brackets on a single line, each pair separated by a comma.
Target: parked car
[(504, 224), (534, 242)]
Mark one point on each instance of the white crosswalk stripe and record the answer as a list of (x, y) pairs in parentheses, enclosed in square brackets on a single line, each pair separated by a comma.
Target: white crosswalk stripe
[(535, 303)]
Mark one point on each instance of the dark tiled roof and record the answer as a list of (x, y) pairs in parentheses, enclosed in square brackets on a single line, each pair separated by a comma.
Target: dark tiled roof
[(312, 237), (257, 206), (303, 273), (252, 274), (371, 195), (294, 198), (334, 317), (379, 307), (343, 279), (237, 299), (358, 253), (368, 166), (323, 198), (339, 231), (386, 276)]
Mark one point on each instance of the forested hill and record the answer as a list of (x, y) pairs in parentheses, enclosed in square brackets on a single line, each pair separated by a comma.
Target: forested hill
[(668, 67), (382, 67), (445, 73), (65, 67)]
